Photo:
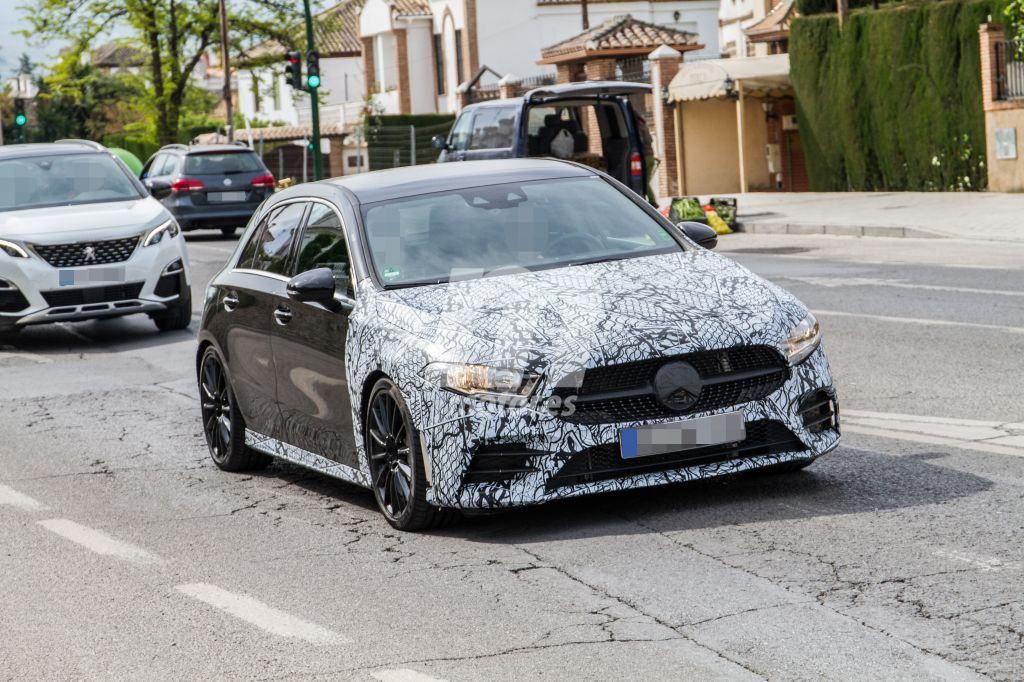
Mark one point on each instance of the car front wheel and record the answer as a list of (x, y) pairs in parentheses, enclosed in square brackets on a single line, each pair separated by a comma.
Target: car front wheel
[(396, 465), (177, 316)]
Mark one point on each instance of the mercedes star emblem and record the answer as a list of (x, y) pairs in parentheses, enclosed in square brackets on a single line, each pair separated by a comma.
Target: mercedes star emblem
[(677, 386)]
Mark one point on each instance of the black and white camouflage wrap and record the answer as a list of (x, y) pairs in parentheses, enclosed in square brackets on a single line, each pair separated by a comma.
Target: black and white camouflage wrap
[(554, 323)]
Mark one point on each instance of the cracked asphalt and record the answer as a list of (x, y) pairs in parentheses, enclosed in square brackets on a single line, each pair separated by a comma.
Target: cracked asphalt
[(124, 553)]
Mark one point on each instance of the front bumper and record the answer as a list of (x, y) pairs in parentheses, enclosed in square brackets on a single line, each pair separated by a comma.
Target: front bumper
[(144, 289), (456, 432)]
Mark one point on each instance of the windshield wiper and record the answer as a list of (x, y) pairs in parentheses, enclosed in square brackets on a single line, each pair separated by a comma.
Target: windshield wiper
[(601, 259)]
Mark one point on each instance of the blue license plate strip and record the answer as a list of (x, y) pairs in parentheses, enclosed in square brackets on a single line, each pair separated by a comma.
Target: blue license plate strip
[(662, 439)]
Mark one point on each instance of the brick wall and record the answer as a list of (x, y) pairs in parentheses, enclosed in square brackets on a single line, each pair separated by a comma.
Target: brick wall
[(369, 70)]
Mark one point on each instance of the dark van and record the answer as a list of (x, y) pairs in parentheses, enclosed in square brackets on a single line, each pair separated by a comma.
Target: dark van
[(552, 121)]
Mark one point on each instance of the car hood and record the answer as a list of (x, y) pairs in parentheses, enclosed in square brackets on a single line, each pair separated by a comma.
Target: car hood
[(59, 224), (570, 318)]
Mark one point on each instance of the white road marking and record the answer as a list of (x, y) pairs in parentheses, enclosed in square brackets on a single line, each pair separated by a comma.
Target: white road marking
[(832, 282), (262, 616), (922, 321), (403, 675), (984, 563), (985, 436), (99, 542), (12, 498)]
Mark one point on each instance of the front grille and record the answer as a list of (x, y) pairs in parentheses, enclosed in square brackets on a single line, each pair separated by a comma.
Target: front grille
[(78, 254), (499, 463), (604, 462), (819, 411), (625, 392), (107, 294)]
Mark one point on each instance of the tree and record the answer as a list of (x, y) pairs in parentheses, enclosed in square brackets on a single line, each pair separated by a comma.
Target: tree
[(173, 34)]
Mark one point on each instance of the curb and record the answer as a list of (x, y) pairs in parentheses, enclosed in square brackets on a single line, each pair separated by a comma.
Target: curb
[(754, 227)]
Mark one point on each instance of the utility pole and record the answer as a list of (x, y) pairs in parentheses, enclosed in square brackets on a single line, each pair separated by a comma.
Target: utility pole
[(586, 14), (226, 65), (842, 10), (314, 100)]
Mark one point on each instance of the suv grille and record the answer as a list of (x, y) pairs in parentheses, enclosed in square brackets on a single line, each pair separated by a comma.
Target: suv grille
[(108, 294), (604, 462), (78, 254), (731, 376)]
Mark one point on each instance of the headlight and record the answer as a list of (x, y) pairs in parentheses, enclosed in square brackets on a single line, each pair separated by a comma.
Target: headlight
[(509, 386), (168, 229), (13, 250), (803, 339)]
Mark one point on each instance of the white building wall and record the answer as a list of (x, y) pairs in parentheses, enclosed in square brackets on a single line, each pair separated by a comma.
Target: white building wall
[(419, 40), (733, 16), (342, 81)]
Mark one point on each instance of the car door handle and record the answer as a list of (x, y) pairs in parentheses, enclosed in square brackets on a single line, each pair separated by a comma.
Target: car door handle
[(283, 315), (230, 302)]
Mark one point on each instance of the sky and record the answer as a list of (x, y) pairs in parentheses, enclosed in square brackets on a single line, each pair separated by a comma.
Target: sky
[(12, 44)]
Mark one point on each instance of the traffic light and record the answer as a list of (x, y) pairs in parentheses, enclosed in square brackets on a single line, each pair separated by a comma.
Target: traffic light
[(312, 69), (294, 69), (20, 119)]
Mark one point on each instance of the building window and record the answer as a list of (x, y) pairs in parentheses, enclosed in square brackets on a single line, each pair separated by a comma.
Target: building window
[(459, 72), (352, 161), (439, 63)]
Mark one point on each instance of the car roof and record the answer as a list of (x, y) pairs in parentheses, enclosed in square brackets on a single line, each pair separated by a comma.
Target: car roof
[(206, 148), (14, 151), (396, 183)]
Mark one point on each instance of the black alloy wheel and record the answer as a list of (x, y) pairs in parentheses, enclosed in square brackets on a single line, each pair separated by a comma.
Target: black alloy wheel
[(223, 425), (396, 466)]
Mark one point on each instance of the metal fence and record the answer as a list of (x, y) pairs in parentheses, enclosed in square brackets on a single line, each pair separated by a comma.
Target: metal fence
[(633, 69), (1009, 70), (403, 145)]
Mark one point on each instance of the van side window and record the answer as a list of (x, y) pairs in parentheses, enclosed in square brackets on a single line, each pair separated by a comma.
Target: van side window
[(459, 139), (493, 128)]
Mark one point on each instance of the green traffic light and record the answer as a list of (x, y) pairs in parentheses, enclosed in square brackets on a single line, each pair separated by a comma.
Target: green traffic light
[(20, 120), (313, 81)]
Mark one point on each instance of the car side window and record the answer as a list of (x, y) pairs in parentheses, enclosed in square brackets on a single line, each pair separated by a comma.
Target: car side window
[(170, 165), (153, 169), (276, 239), (493, 128), (459, 139), (323, 246)]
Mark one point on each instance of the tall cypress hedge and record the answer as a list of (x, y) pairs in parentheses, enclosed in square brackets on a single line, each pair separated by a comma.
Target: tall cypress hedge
[(893, 102)]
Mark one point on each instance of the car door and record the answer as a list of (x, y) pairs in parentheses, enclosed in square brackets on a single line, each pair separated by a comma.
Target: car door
[(251, 295), (309, 347)]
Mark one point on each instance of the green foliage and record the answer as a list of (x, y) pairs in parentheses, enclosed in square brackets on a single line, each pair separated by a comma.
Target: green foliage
[(893, 102)]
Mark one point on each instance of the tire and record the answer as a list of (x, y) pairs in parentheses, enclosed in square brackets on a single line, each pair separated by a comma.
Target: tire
[(223, 425), (397, 475), (178, 316), (228, 231)]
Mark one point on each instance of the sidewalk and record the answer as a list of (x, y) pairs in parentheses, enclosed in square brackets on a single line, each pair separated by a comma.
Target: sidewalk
[(970, 215)]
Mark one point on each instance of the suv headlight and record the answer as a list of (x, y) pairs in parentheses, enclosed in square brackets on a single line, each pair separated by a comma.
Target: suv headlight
[(498, 384), (169, 230), (13, 250), (802, 340)]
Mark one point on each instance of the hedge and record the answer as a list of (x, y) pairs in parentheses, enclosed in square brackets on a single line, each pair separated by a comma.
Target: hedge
[(893, 102)]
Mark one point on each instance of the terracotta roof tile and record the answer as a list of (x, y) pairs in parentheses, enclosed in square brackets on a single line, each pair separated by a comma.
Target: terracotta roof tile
[(777, 20), (620, 33)]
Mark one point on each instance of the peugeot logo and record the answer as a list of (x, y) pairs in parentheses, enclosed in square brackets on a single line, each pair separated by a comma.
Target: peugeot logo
[(677, 386), (89, 254)]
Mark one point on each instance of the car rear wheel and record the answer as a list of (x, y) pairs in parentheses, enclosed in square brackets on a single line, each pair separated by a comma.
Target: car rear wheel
[(396, 465), (223, 425), (177, 316)]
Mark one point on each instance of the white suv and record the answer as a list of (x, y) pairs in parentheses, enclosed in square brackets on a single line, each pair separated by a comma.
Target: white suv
[(81, 238)]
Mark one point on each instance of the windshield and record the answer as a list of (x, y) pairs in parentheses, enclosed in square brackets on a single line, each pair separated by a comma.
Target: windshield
[(498, 229), (63, 180), (222, 164)]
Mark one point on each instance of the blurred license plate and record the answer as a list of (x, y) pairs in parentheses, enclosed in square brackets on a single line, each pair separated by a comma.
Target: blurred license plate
[(70, 278), (224, 197), (661, 439)]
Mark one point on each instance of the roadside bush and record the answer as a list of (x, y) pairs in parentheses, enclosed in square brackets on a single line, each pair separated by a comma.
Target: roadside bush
[(893, 102)]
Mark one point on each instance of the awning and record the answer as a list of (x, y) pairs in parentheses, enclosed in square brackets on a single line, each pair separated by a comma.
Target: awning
[(709, 78)]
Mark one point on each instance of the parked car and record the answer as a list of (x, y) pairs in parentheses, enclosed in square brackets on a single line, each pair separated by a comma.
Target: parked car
[(80, 238), (500, 333), (209, 186), (551, 121)]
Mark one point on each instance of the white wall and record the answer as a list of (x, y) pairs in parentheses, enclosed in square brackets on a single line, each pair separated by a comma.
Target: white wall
[(335, 74), (266, 111), (419, 40), (734, 15)]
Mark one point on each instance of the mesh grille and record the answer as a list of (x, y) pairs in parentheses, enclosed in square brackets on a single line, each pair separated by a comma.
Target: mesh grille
[(595, 405), (77, 254), (108, 294), (604, 462)]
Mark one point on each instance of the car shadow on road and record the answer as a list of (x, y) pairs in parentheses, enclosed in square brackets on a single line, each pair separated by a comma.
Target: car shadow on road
[(847, 481), (112, 335)]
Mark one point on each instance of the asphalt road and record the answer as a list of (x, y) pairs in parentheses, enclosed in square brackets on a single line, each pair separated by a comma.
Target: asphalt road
[(125, 553)]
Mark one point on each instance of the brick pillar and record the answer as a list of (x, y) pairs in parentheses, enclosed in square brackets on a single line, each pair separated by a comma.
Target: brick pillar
[(665, 63), (369, 70), (596, 70), (509, 87), (988, 36), (402, 59), (462, 96), (563, 73), (470, 44)]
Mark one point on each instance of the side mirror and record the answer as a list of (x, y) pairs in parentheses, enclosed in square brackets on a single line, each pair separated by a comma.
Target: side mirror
[(700, 233), (158, 187), (439, 142), (314, 286)]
